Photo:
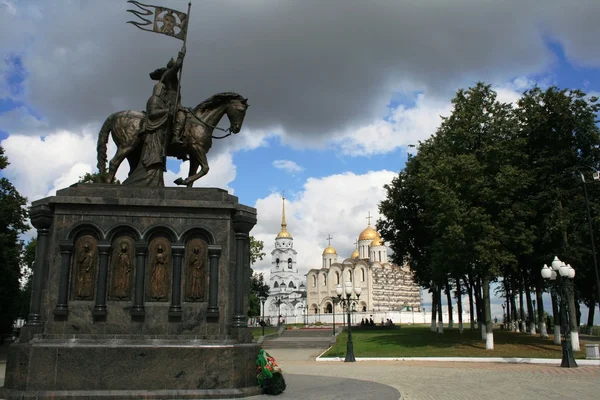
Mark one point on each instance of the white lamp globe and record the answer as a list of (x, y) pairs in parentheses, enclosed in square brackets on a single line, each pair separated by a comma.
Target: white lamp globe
[(546, 272), (339, 290), (348, 288), (358, 290), (553, 276), (571, 271), (556, 263), (563, 270)]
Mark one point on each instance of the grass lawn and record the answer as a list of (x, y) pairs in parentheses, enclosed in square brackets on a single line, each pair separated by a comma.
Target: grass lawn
[(422, 342), (257, 332)]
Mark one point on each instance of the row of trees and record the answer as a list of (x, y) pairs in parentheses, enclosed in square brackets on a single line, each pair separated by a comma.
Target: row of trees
[(494, 194), (15, 257)]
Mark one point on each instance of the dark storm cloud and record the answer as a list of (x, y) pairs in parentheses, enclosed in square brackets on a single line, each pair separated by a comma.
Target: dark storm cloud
[(310, 67)]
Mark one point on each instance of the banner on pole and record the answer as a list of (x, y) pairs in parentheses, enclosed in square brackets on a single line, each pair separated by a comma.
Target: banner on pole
[(160, 20)]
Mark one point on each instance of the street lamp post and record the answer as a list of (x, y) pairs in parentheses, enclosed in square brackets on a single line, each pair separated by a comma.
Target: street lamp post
[(262, 320), (348, 302), (278, 301), (534, 313), (561, 274), (333, 311)]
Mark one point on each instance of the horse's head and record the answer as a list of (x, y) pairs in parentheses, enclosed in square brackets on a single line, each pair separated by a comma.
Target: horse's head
[(212, 109), (236, 111)]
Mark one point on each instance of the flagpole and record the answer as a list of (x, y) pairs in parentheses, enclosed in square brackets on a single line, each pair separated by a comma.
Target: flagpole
[(187, 23)]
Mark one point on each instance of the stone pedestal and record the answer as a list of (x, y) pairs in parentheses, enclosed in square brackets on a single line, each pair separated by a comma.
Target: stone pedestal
[(137, 293)]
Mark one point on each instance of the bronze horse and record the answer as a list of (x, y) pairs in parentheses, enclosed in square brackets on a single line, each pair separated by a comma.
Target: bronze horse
[(197, 135)]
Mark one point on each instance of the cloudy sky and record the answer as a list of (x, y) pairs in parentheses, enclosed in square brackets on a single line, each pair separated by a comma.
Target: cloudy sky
[(338, 90)]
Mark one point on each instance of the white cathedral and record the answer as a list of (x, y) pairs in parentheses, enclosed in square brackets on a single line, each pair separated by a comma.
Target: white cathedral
[(386, 287), (287, 294)]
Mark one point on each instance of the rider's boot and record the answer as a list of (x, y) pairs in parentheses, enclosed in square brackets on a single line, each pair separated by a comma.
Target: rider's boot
[(177, 129)]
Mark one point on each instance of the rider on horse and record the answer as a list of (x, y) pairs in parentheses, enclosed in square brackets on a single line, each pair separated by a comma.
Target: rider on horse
[(168, 77)]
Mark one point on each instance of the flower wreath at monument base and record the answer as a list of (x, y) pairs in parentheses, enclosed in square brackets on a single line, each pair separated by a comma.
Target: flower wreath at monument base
[(269, 375)]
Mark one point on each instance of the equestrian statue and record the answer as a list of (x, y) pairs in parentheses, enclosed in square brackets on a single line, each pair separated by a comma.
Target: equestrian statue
[(165, 128)]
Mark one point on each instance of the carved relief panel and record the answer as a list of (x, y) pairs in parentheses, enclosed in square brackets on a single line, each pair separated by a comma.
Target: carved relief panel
[(158, 267), (196, 260), (85, 265), (122, 267)]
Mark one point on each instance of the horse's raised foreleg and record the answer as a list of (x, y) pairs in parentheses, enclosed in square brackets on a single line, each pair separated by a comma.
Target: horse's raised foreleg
[(197, 155), (193, 169)]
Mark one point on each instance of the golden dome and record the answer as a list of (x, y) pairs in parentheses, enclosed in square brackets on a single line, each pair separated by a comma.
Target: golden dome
[(329, 250), (377, 242), (355, 254), (284, 234), (368, 234)]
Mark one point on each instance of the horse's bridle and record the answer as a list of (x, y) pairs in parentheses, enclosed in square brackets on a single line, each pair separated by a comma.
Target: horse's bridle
[(209, 125)]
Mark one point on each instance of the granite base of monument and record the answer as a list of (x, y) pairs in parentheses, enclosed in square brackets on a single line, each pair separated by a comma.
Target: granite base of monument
[(137, 293)]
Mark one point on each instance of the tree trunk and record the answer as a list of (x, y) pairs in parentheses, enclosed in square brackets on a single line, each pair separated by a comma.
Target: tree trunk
[(556, 314), (540, 311), (477, 294), (440, 311), (573, 318), (513, 306), (470, 291), (433, 309), (449, 300), (530, 313), (521, 309), (590, 321), (489, 332), (459, 305), (506, 316)]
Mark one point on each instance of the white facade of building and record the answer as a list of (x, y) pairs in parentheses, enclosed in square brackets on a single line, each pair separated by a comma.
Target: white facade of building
[(287, 293)]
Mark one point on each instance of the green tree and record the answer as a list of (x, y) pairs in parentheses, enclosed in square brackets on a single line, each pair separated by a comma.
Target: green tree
[(562, 138), (13, 216), (256, 250), (28, 258), (452, 199), (258, 287), (96, 177)]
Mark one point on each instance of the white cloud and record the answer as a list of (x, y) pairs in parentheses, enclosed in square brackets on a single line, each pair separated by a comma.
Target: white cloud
[(406, 125), (287, 165), (336, 205)]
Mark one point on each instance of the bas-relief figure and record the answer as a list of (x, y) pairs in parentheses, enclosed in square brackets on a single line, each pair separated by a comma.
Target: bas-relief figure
[(159, 270), (85, 262), (122, 268), (196, 258)]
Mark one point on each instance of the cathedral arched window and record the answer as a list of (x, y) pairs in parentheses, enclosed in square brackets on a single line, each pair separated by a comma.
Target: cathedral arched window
[(362, 274), (289, 263), (292, 285), (277, 262), (350, 275), (314, 279), (324, 279), (337, 278), (276, 285), (328, 309)]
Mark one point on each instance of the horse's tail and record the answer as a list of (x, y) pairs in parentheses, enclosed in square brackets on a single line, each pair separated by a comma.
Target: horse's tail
[(103, 142)]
